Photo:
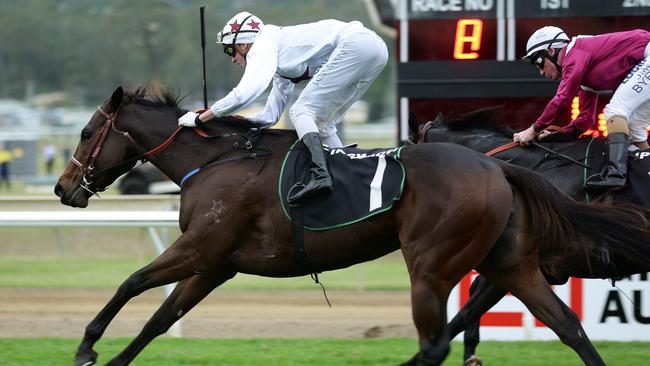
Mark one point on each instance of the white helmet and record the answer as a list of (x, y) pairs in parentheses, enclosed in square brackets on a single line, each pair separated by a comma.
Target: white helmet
[(242, 28), (545, 38)]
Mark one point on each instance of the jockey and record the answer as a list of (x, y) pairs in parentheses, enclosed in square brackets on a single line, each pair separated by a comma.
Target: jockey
[(587, 64), (339, 60)]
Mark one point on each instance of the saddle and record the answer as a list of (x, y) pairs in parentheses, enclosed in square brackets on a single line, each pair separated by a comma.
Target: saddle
[(635, 191), (591, 151), (366, 183)]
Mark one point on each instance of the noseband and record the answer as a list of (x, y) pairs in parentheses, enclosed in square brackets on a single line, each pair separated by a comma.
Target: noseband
[(90, 162)]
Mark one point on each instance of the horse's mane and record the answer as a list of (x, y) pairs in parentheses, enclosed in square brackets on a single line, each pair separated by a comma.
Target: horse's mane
[(169, 98), (484, 118)]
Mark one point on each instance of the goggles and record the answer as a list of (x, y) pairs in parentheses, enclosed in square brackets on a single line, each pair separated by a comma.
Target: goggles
[(229, 49), (537, 59)]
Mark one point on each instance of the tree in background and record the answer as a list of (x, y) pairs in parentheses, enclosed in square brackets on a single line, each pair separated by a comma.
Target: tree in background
[(88, 47)]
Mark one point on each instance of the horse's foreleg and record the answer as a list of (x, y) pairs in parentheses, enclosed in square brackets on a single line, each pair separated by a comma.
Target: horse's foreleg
[(185, 296), (483, 296), (173, 265), (538, 297)]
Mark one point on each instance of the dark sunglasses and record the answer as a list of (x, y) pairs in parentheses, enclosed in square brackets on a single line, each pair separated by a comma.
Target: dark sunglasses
[(229, 49)]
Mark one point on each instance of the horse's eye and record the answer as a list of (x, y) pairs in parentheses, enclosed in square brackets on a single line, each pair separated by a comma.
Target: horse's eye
[(85, 135)]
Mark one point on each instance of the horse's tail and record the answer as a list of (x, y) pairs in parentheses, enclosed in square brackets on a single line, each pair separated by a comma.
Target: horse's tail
[(564, 226)]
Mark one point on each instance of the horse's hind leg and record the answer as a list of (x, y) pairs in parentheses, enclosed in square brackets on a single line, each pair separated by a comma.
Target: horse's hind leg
[(429, 305), (177, 263), (483, 296), (185, 296), (538, 297)]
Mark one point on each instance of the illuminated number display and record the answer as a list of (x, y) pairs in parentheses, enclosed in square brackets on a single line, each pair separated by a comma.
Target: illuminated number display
[(453, 39), (469, 33), (460, 55)]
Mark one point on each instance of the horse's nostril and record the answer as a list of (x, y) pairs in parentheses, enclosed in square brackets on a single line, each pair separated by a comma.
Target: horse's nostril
[(58, 190)]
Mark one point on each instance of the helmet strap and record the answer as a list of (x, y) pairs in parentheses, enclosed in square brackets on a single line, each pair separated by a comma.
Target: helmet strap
[(556, 53), (553, 58)]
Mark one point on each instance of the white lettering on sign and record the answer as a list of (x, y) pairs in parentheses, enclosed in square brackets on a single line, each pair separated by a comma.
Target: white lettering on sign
[(554, 4), (479, 4), (635, 3), (452, 5), (622, 314)]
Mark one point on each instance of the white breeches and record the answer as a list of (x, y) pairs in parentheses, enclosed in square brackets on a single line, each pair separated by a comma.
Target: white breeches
[(632, 99), (355, 63)]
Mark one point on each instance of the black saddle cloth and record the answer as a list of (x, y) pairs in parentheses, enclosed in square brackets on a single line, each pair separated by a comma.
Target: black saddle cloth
[(366, 183)]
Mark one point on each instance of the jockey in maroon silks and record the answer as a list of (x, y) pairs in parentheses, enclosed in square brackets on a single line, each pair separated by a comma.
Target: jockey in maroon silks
[(587, 65)]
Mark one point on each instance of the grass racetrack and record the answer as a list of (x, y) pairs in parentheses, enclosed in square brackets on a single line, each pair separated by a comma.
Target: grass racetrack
[(53, 283), (315, 352)]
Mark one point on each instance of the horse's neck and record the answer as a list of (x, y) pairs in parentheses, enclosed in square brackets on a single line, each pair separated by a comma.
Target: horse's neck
[(491, 141), (482, 141), (190, 151), (153, 131)]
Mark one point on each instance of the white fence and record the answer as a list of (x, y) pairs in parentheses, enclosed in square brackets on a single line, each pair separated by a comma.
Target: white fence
[(47, 211)]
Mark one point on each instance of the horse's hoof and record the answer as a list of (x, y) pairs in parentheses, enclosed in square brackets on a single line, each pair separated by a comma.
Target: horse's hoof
[(411, 362), (85, 359), (474, 360)]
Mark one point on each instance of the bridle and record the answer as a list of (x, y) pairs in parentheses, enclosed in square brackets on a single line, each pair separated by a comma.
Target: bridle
[(90, 162), (110, 124)]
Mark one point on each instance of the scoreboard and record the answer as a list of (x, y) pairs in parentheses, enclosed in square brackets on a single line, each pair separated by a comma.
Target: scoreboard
[(459, 55)]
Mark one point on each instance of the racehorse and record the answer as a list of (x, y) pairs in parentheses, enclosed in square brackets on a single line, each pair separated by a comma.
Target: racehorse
[(454, 206), (483, 131)]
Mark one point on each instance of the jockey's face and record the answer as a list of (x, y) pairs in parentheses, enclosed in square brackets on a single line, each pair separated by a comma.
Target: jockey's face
[(240, 54)]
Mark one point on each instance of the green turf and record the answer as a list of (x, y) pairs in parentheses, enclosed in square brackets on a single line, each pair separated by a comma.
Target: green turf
[(388, 273), (279, 352)]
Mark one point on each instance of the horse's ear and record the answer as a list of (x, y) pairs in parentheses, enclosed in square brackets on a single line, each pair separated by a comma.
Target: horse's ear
[(116, 98), (413, 122), (439, 119)]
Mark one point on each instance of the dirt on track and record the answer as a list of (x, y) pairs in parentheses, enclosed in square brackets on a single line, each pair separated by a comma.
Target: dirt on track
[(223, 314)]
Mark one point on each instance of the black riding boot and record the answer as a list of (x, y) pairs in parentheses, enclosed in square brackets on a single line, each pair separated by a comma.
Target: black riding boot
[(614, 174), (320, 180)]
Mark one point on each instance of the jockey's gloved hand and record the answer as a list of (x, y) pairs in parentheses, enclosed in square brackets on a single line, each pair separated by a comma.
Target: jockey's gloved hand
[(188, 119)]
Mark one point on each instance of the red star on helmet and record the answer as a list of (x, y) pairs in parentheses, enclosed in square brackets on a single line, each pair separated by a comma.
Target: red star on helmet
[(234, 26), (254, 25)]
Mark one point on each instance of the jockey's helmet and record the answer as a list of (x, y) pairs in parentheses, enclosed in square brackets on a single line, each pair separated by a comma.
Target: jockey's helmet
[(543, 39), (242, 28)]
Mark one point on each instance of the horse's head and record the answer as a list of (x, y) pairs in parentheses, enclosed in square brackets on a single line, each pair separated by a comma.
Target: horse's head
[(102, 145), (417, 131), (479, 130)]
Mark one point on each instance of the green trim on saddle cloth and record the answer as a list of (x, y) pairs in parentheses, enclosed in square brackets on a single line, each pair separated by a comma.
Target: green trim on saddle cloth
[(339, 161), (585, 171)]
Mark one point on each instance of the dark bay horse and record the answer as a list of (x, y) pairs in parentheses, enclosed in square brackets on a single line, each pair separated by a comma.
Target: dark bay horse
[(483, 130), (455, 205)]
